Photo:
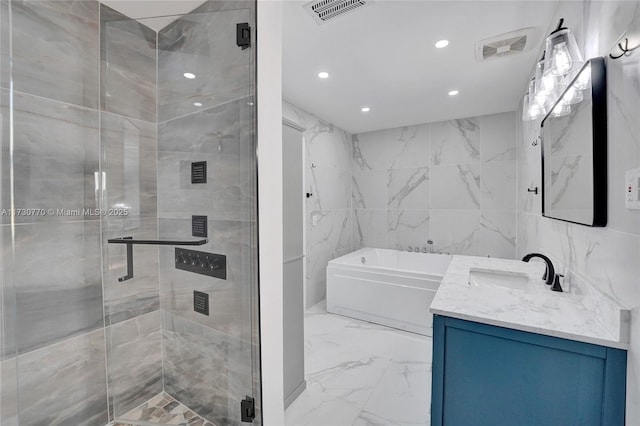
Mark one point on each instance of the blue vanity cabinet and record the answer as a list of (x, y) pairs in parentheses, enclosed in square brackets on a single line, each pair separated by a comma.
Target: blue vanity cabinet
[(485, 375)]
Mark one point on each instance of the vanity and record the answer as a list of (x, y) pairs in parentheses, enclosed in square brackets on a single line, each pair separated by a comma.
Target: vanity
[(509, 351)]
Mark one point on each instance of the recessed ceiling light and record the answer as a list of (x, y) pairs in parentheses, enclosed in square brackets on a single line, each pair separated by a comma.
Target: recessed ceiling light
[(189, 75), (365, 109), (198, 104), (442, 43), (453, 93), (323, 74)]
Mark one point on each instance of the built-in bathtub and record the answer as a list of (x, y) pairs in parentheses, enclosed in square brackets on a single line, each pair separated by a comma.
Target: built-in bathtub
[(388, 287)]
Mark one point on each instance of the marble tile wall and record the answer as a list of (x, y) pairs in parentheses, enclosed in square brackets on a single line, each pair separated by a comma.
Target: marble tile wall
[(327, 174), (453, 182), (134, 361), (207, 370), (608, 258)]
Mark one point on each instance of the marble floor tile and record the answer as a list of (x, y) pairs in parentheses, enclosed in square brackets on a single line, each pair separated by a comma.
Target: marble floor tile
[(162, 409), (359, 373)]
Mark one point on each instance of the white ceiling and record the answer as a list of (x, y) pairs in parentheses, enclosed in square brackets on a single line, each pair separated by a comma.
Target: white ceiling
[(155, 14), (383, 56)]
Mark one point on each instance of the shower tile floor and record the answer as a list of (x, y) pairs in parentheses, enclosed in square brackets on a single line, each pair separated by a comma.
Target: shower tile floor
[(359, 374), (162, 409)]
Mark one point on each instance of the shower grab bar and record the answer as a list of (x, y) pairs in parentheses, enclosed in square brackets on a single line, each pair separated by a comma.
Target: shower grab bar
[(129, 241)]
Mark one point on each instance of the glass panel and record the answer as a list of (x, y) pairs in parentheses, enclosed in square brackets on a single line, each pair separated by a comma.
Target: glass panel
[(161, 352), (99, 130), (8, 358)]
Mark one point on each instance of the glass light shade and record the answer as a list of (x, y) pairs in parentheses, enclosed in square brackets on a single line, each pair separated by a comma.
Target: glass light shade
[(583, 81), (531, 110), (562, 53), (561, 108), (572, 96)]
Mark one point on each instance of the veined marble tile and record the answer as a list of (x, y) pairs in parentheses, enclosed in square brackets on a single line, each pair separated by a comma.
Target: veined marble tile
[(370, 150), (129, 164), (349, 374), (408, 228), (195, 43), (326, 145), (314, 408), (55, 157), (369, 189), (527, 241), (498, 185), (408, 189), (369, 228), (623, 128), (455, 142), (229, 193), (8, 306), (206, 370), (141, 294), (9, 392), (569, 187), (351, 363), (128, 66), (409, 147), (209, 130), (5, 46), (327, 240), (498, 137), (331, 188), (65, 384), (400, 396), (134, 357), (230, 301), (498, 233), (456, 231), (455, 187), (48, 278), (55, 50)]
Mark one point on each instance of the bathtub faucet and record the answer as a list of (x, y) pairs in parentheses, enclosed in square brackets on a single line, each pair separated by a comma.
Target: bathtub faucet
[(430, 243)]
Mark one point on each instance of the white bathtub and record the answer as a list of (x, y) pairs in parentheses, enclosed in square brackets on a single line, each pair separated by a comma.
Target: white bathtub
[(387, 287)]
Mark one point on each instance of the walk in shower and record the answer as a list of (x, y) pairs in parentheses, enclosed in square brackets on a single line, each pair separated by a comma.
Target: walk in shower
[(128, 193)]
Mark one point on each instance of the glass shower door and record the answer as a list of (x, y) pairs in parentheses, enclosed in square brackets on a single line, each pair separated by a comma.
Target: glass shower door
[(178, 163)]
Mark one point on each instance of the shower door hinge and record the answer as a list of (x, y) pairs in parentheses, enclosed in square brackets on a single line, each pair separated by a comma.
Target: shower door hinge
[(243, 35), (248, 409)]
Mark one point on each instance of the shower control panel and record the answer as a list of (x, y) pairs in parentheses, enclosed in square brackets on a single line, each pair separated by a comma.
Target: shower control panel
[(211, 264)]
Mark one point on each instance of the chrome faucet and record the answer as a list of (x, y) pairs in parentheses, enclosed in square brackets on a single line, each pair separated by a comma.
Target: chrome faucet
[(550, 273)]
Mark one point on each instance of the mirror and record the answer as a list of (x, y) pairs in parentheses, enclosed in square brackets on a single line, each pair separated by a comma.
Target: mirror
[(574, 150)]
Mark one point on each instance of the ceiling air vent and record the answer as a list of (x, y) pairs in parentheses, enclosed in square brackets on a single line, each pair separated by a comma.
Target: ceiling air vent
[(325, 10), (507, 44)]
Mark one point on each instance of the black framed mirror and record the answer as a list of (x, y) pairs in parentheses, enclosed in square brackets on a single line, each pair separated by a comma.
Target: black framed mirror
[(574, 150)]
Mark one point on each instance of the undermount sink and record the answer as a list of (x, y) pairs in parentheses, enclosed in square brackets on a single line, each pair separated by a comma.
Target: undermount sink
[(490, 278)]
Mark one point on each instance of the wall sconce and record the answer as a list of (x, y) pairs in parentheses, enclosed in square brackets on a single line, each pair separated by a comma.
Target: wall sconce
[(558, 65), (563, 54)]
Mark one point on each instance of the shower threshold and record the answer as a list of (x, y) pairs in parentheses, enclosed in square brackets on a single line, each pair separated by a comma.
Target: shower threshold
[(162, 409)]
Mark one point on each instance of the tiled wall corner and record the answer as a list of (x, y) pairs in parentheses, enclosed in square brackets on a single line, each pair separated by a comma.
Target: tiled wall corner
[(327, 172)]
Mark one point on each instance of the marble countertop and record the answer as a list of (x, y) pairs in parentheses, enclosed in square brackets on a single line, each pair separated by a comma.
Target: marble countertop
[(579, 315)]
